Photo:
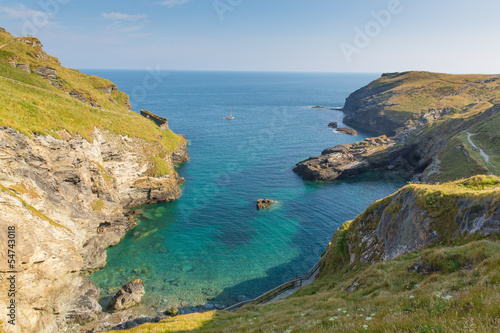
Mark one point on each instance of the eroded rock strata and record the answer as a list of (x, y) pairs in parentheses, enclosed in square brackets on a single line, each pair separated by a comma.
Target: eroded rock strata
[(69, 200)]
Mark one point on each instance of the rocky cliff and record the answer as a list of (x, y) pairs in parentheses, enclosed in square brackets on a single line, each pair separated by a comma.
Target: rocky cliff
[(417, 216), (70, 171), (398, 102)]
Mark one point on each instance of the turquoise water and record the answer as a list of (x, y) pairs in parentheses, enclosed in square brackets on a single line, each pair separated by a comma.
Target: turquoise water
[(212, 245)]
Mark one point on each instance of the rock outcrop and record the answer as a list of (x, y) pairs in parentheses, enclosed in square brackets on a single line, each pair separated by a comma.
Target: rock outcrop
[(128, 296), (347, 130), (264, 203), (418, 215), (352, 159), (24, 67), (68, 200), (333, 124), (46, 72)]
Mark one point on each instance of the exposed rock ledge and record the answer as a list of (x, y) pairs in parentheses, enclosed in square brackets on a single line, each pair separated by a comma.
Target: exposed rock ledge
[(68, 199), (351, 159)]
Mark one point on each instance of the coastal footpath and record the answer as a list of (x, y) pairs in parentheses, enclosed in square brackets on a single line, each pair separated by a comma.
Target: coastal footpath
[(74, 162)]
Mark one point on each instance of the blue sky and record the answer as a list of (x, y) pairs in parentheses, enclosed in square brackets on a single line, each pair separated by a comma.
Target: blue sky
[(265, 35)]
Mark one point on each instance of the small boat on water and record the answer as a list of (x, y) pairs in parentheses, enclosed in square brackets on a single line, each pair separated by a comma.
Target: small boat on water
[(230, 117)]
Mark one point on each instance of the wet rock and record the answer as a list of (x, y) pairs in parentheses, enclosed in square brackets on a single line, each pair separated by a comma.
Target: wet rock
[(347, 130), (264, 203), (333, 124), (130, 295)]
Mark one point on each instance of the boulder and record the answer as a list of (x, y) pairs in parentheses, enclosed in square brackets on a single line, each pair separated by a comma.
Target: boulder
[(130, 295), (264, 203), (172, 312), (333, 124), (347, 130)]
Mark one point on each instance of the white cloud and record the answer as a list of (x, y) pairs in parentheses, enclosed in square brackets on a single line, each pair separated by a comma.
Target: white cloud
[(115, 16), (21, 11), (172, 3)]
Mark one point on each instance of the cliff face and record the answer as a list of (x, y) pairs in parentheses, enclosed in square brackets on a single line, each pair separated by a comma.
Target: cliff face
[(416, 216), (68, 200)]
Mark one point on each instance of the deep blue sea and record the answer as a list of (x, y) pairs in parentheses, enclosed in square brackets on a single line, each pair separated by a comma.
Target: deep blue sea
[(213, 245)]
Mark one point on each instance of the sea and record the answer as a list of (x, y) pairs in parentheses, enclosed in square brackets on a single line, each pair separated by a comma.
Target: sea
[(212, 246)]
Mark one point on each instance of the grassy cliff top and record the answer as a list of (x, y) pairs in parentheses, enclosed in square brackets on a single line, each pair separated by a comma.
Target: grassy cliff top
[(32, 104), (401, 96)]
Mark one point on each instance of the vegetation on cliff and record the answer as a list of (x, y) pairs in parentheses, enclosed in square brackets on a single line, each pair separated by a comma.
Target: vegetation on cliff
[(397, 101), (74, 102)]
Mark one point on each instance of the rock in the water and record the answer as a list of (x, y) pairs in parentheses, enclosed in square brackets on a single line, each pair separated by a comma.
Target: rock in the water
[(128, 296), (264, 203), (172, 312), (333, 124), (347, 130)]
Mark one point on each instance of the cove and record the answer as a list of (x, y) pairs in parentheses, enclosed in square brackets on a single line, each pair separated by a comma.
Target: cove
[(212, 245)]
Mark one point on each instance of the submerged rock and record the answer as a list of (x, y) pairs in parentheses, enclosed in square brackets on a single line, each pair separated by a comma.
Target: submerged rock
[(130, 295), (264, 203)]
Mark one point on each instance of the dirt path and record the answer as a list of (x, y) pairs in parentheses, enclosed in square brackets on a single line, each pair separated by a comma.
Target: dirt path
[(483, 154), (4, 45)]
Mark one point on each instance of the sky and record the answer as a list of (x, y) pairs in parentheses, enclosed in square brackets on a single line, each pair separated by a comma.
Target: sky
[(452, 36)]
